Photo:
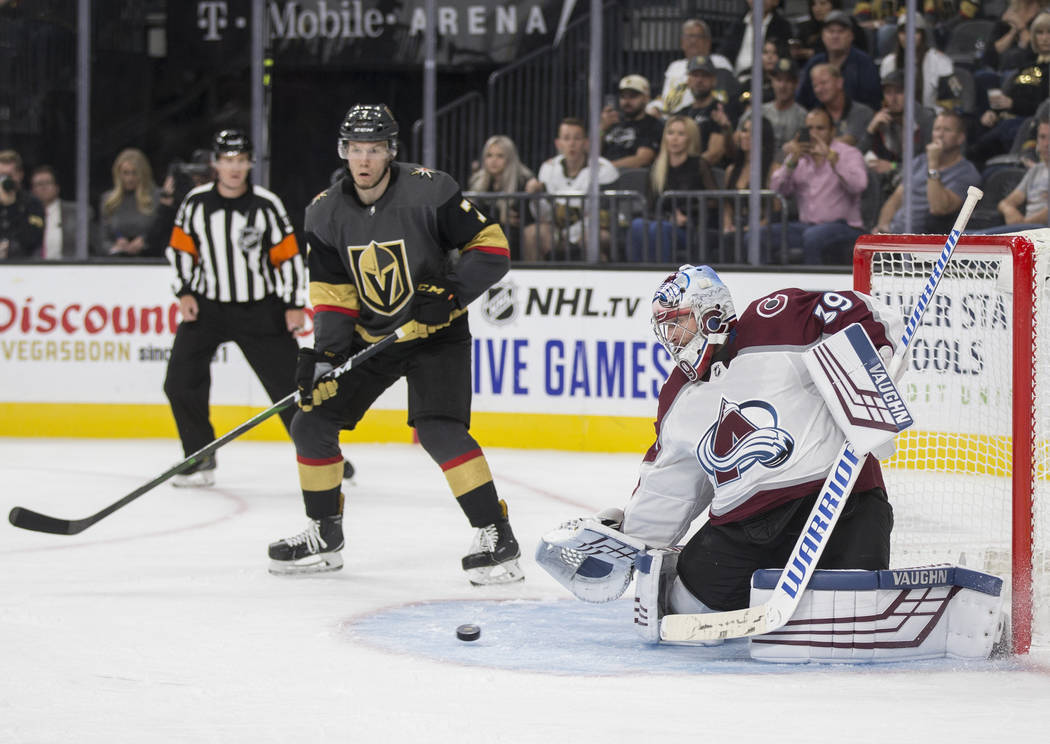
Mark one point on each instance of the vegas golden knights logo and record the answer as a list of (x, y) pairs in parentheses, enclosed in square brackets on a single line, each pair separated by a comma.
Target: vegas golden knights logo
[(381, 271)]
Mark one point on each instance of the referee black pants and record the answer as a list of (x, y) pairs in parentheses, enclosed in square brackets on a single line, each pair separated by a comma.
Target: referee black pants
[(259, 329)]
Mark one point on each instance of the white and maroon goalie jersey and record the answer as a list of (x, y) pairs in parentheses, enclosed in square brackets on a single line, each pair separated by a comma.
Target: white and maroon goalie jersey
[(754, 433)]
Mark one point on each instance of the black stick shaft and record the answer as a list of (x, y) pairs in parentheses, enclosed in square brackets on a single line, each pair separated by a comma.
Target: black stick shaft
[(28, 519)]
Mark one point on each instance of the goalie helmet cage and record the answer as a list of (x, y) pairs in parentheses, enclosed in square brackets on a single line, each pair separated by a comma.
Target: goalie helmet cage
[(969, 482)]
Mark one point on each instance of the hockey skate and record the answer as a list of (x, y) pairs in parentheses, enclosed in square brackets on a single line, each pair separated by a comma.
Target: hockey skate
[(493, 557), (199, 475), (314, 550)]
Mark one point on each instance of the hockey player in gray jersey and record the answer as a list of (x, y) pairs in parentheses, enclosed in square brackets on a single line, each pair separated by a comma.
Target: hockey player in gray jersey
[(741, 434), (381, 247)]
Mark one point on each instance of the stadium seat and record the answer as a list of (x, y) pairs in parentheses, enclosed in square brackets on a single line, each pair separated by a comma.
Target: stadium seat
[(996, 187), (632, 179), (966, 38), (963, 90)]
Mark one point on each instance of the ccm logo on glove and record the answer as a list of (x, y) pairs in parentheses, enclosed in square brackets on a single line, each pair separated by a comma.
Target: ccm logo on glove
[(433, 304)]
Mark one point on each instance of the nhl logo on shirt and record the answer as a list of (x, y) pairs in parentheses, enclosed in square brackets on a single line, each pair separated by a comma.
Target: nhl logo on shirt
[(745, 434), (497, 304), (250, 239)]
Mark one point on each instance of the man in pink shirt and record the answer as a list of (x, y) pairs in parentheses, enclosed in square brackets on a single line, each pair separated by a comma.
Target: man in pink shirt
[(827, 179)]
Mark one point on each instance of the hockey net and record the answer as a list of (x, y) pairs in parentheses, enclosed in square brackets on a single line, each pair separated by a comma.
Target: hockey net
[(969, 482)]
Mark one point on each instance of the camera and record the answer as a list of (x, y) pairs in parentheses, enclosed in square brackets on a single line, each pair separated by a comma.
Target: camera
[(803, 135), (186, 176), (8, 184)]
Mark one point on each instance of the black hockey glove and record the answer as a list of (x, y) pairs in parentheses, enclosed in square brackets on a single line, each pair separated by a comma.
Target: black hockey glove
[(309, 367), (433, 304)]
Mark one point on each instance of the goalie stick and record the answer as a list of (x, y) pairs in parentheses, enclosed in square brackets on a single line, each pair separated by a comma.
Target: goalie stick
[(824, 515), (28, 519)]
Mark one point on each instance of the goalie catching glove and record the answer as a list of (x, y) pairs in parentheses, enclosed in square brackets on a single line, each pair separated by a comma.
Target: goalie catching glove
[(310, 367)]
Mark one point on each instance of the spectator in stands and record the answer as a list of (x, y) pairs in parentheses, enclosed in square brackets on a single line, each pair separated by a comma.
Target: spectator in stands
[(882, 17), (60, 216), (940, 177), (180, 180), (827, 178), (849, 118), (738, 43), (610, 115), (711, 114), (1031, 193), (883, 141), (1019, 98), (502, 172), (678, 167), (128, 209), (783, 112), (632, 142), (21, 214), (739, 175), (770, 54), (807, 41), (696, 42), (932, 64), (1012, 47), (567, 172), (859, 74)]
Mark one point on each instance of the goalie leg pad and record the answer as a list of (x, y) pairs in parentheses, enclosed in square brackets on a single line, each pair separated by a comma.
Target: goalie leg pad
[(657, 572), (658, 591), (929, 612)]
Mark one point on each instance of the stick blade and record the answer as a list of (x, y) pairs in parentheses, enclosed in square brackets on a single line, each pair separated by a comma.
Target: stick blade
[(714, 626), (27, 519)]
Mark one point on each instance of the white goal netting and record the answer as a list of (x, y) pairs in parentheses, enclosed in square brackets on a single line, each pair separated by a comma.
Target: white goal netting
[(960, 479)]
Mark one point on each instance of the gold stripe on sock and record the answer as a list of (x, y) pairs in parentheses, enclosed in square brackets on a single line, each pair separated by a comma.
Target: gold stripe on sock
[(468, 475), (321, 477)]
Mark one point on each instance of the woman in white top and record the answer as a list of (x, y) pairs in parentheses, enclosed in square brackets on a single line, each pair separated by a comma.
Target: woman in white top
[(934, 64)]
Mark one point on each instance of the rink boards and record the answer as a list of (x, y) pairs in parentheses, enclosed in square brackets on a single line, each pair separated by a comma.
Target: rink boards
[(563, 359)]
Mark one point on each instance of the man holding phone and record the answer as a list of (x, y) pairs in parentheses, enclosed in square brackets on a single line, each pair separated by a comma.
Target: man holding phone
[(827, 179)]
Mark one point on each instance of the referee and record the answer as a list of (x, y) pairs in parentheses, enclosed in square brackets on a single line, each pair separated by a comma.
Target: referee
[(239, 277)]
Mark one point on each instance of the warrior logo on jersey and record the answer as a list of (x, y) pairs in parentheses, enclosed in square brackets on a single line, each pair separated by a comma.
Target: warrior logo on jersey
[(381, 272), (250, 239), (745, 434)]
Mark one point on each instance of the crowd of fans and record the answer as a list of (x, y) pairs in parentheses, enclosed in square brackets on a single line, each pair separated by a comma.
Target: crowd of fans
[(833, 121), (832, 129)]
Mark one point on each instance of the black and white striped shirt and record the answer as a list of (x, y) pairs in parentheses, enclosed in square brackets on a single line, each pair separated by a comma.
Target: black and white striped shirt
[(236, 250)]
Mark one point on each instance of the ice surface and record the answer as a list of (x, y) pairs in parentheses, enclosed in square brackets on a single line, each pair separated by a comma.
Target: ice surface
[(161, 624)]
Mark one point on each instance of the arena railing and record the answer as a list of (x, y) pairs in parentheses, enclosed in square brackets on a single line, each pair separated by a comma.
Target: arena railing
[(554, 225)]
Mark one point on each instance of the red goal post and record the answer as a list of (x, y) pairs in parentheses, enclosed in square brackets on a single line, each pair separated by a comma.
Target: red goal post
[(969, 482)]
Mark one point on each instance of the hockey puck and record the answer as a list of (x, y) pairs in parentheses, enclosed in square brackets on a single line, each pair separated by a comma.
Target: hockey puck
[(468, 632)]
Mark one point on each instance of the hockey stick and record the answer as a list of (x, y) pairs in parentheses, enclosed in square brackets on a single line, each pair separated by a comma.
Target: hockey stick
[(28, 519), (824, 515)]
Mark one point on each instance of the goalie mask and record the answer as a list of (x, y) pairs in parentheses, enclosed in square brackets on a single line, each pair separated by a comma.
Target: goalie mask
[(693, 315)]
